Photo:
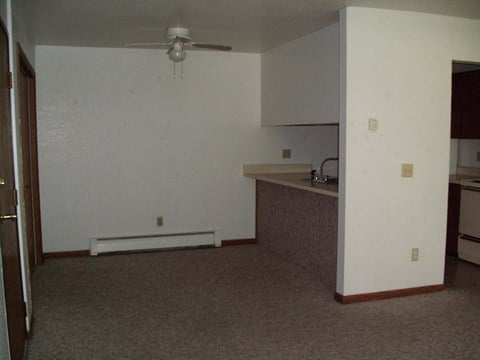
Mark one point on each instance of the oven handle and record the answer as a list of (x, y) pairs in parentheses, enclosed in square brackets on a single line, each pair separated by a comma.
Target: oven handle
[(470, 188)]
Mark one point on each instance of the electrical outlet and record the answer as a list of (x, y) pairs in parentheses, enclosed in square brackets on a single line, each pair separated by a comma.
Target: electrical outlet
[(414, 254), (407, 170), (286, 153), (160, 221)]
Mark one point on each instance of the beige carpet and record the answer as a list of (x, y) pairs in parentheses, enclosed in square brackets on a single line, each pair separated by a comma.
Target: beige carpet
[(238, 303)]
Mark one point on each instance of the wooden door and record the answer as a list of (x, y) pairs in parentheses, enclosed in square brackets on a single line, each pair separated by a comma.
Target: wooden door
[(27, 186), (8, 225), (31, 192)]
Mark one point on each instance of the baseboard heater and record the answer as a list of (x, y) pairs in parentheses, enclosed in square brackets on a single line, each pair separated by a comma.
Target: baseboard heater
[(156, 241)]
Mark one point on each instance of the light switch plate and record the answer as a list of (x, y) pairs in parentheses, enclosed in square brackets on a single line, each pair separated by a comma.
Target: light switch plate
[(414, 256), (407, 170), (372, 124)]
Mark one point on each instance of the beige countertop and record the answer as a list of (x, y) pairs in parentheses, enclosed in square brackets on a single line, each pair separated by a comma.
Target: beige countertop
[(291, 177)]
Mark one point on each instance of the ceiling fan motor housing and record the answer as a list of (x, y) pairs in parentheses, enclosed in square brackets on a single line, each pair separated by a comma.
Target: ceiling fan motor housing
[(173, 32)]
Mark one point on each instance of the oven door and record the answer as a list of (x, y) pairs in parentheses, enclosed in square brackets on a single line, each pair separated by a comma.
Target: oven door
[(470, 212)]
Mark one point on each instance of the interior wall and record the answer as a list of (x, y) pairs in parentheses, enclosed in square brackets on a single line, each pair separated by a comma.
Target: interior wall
[(398, 70), (300, 82), (327, 147), (4, 344), (467, 152), (122, 142), (22, 32), (3, 11)]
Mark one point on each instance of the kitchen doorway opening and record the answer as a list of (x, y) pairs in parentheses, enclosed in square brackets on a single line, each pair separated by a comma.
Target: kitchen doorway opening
[(464, 152)]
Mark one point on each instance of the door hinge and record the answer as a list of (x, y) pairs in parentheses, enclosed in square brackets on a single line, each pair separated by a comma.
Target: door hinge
[(10, 80), (15, 197)]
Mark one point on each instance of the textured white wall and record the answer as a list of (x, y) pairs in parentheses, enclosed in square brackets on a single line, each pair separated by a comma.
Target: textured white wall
[(21, 29), (3, 11), (397, 69), (121, 142), (4, 346), (300, 83)]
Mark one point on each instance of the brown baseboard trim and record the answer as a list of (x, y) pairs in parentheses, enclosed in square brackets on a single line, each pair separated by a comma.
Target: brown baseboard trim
[(349, 299), (239, 242), (63, 254)]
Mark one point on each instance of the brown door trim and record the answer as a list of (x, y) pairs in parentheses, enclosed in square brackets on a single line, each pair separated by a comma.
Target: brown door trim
[(12, 273), (29, 134)]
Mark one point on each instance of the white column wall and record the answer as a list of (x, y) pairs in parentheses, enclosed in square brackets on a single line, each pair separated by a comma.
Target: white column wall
[(4, 345), (397, 69)]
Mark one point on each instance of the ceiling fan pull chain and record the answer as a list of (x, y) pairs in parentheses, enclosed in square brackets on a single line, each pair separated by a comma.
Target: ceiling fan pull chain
[(175, 70)]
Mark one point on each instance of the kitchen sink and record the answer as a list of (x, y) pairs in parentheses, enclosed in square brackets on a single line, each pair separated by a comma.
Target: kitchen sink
[(330, 180)]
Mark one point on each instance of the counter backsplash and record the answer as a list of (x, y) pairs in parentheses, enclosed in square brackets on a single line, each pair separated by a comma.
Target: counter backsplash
[(469, 171)]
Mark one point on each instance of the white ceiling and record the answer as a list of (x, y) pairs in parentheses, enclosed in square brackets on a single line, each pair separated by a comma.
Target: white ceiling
[(247, 25)]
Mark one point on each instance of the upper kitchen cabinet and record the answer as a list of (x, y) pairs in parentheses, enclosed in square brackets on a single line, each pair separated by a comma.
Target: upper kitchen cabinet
[(300, 80), (466, 105)]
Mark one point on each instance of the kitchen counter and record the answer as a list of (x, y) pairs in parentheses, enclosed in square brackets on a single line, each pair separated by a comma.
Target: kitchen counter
[(300, 226), (291, 176), (295, 219)]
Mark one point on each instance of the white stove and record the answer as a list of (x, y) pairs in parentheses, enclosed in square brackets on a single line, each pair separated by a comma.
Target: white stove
[(469, 227), (474, 183)]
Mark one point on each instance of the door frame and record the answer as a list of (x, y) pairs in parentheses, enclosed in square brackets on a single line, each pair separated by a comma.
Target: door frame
[(11, 263), (29, 134)]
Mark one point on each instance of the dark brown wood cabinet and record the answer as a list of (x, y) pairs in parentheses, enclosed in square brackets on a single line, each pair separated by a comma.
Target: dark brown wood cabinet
[(465, 114), (453, 217)]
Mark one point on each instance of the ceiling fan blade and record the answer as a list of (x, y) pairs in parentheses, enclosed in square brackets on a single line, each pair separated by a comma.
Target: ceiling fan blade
[(182, 39), (211, 46), (148, 44)]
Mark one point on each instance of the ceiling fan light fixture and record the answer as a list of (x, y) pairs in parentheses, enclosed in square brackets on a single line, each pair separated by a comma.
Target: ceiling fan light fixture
[(177, 55), (176, 52), (177, 39)]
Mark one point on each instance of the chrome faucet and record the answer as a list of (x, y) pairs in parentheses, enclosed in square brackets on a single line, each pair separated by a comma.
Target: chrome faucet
[(324, 177)]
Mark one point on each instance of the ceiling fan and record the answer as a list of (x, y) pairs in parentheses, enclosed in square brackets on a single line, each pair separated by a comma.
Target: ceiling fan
[(178, 38)]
